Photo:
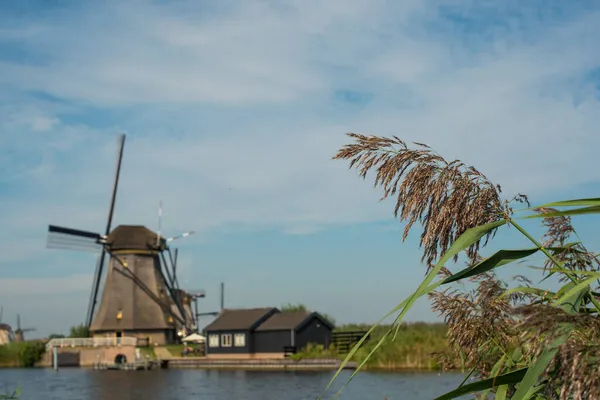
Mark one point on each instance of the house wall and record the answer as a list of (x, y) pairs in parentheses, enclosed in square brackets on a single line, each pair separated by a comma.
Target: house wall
[(313, 332), (87, 357), (271, 341), (123, 294), (247, 348)]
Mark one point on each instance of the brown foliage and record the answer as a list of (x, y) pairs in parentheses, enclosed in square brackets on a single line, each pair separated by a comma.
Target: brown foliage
[(480, 325), (558, 232), (574, 370), (447, 198)]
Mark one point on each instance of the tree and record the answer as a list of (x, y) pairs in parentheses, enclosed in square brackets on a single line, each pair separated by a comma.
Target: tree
[(523, 341), (56, 336), (79, 331), (289, 307)]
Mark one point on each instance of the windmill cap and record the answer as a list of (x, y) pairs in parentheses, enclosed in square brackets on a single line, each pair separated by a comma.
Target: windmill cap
[(132, 237)]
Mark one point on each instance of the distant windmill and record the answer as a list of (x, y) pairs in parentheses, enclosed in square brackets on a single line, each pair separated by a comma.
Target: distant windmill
[(210, 313), (139, 297), (20, 333), (6, 333)]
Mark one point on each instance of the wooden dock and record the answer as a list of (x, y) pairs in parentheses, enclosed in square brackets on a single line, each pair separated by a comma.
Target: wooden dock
[(256, 364), (136, 366)]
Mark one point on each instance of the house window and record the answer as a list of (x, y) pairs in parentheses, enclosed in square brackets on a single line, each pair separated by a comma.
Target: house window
[(213, 340), (239, 339), (226, 340)]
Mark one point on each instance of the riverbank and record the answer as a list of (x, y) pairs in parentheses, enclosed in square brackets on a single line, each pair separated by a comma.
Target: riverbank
[(258, 364), (22, 354), (412, 350)]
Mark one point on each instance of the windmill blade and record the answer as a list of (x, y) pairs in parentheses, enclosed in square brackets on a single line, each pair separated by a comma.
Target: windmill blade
[(73, 239), (168, 272), (94, 291), (18, 322), (175, 258), (28, 330), (173, 267), (74, 232), (1, 313), (159, 223), (200, 293), (113, 198), (180, 236), (175, 295)]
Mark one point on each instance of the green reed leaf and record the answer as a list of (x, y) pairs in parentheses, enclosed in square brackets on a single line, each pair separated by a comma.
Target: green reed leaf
[(566, 213), (499, 258), (572, 203), (510, 378)]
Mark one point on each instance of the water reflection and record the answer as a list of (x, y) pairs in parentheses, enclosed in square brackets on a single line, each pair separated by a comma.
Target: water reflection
[(77, 384)]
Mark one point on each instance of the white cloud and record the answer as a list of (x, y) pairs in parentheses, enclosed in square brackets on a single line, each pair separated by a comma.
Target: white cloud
[(270, 170)]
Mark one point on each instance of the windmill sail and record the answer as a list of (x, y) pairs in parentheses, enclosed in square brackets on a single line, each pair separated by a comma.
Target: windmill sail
[(73, 239)]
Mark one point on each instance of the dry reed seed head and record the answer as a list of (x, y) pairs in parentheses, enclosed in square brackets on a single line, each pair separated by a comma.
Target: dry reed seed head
[(559, 230), (447, 198), (478, 322), (522, 279), (575, 370)]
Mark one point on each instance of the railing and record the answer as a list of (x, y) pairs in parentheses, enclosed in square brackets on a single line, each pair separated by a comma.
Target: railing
[(288, 351), (344, 341), (91, 342)]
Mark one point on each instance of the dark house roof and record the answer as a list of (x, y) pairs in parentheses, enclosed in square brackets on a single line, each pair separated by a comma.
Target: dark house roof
[(240, 319), (290, 320), (5, 327), (132, 237)]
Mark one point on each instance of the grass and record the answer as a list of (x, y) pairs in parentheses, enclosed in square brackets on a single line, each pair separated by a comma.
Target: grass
[(148, 351), (411, 350), (175, 349)]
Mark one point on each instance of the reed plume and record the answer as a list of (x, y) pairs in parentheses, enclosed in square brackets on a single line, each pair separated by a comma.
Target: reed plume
[(447, 198)]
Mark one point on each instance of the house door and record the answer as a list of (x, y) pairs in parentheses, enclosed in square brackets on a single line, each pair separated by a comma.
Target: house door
[(119, 334)]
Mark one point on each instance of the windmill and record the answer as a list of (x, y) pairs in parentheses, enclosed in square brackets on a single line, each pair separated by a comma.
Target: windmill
[(19, 334), (6, 333), (138, 297), (200, 294)]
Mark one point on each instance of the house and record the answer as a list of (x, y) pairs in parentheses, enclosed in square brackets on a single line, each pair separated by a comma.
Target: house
[(231, 332), (264, 332)]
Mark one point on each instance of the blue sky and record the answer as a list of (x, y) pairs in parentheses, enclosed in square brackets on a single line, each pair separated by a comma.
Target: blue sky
[(233, 112)]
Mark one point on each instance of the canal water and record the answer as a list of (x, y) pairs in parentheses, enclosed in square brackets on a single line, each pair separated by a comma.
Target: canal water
[(183, 384)]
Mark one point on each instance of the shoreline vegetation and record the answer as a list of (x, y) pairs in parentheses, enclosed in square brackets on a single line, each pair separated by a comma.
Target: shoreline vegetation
[(416, 347), (21, 354), (413, 349)]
